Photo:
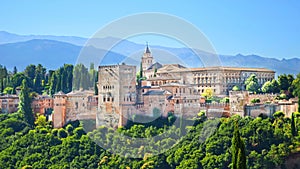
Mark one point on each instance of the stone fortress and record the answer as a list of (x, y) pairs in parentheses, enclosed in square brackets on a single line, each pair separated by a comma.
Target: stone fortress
[(169, 88), (165, 88)]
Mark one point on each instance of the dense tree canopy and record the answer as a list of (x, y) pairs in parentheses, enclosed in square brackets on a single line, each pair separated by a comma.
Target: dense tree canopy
[(268, 87), (252, 84), (208, 144), (30, 142), (65, 79)]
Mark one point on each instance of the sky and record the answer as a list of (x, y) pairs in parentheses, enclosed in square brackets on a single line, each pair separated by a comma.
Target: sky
[(269, 28)]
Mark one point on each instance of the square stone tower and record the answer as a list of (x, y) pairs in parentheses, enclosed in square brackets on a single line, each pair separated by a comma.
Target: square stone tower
[(59, 115), (116, 89)]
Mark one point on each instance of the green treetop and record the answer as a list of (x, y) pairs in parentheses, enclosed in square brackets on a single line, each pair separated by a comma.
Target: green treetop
[(252, 84)]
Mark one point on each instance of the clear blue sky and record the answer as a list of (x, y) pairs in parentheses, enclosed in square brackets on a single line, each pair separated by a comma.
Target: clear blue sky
[(269, 28)]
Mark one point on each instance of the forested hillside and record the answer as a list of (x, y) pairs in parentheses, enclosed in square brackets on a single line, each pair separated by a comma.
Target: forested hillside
[(268, 143), (27, 139)]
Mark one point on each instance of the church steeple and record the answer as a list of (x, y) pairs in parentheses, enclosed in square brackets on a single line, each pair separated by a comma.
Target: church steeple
[(147, 59), (147, 49)]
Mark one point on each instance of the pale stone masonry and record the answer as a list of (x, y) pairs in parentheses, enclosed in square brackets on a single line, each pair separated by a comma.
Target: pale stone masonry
[(240, 103), (76, 105), (116, 91), (223, 79), (220, 79), (167, 88)]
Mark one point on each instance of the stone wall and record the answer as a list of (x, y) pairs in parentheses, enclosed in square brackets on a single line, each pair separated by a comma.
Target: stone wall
[(288, 107), (255, 110), (237, 100), (262, 97)]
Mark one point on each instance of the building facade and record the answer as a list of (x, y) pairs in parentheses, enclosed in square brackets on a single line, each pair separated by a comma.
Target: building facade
[(116, 93), (76, 105), (9, 103), (240, 104), (220, 79), (42, 104), (166, 88)]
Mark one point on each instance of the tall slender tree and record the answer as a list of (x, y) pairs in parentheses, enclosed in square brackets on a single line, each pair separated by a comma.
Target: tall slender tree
[(155, 70), (15, 71), (53, 84), (3, 75), (25, 104), (296, 91), (141, 70), (69, 69), (238, 150), (293, 125)]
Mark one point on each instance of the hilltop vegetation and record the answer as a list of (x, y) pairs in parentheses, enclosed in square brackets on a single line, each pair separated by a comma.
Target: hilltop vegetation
[(268, 143), (41, 81), (33, 143)]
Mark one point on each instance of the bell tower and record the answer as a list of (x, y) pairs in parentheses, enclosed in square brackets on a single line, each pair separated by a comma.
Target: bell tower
[(147, 59)]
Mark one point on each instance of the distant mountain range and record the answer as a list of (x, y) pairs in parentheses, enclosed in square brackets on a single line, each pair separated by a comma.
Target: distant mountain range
[(6, 37), (54, 51)]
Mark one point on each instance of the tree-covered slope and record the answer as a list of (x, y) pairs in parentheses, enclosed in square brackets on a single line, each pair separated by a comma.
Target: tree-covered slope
[(268, 143)]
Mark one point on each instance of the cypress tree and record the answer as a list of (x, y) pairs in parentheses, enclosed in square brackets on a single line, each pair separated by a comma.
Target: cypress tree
[(69, 77), (293, 126), (25, 104), (238, 150), (58, 74), (95, 84), (141, 70), (15, 71), (155, 70), (298, 103), (53, 83), (95, 88)]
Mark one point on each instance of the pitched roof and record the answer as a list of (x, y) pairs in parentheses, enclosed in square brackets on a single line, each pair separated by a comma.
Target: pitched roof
[(172, 68), (155, 65), (154, 92), (59, 93), (175, 84), (81, 93)]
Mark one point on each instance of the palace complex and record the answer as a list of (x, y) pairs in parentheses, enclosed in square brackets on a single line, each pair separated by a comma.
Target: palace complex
[(158, 89), (164, 88)]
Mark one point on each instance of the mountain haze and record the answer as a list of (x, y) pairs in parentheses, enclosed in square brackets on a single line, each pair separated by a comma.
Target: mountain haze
[(54, 51)]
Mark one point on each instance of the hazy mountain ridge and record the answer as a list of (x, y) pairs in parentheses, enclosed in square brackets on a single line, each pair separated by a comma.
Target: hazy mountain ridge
[(53, 53), (6, 37)]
